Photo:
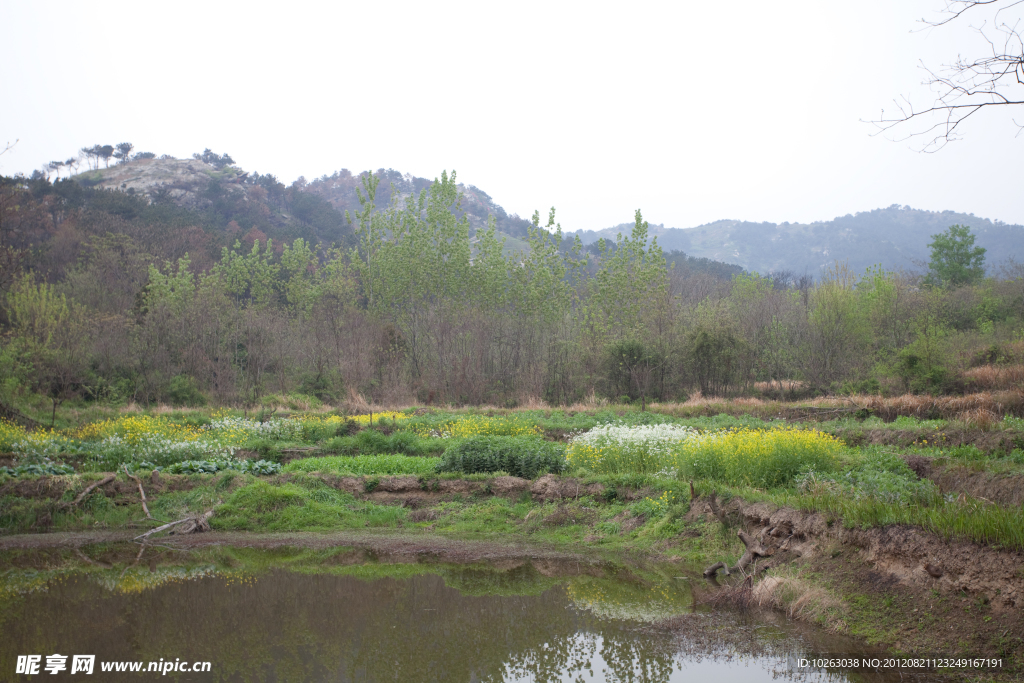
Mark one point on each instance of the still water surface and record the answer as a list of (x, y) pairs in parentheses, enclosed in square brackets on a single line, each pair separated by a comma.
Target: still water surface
[(344, 615)]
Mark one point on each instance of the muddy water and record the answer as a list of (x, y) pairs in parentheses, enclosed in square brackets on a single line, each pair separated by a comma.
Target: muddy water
[(343, 615)]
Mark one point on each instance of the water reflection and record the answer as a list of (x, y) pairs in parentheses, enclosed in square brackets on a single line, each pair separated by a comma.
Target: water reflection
[(325, 617)]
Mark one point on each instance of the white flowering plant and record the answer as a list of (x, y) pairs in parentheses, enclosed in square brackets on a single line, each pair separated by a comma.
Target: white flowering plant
[(621, 449)]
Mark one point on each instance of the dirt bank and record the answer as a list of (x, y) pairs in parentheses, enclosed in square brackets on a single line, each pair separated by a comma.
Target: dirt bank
[(898, 587), (909, 555)]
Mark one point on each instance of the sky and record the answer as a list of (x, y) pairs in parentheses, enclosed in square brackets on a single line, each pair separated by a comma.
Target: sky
[(691, 112)]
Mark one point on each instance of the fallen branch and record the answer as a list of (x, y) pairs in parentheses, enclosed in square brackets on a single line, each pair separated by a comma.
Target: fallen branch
[(754, 551), (713, 569), (92, 561), (137, 558), (88, 489), (142, 492), (201, 523), (196, 525), (713, 504)]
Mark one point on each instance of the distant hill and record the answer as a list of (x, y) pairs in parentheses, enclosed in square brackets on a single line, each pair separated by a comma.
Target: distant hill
[(224, 200), (249, 204), (895, 237), (340, 190)]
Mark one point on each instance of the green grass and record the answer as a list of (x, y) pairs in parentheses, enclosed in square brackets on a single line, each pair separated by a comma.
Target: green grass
[(969, 520), (365, 465), (371, 441), (262, 506)]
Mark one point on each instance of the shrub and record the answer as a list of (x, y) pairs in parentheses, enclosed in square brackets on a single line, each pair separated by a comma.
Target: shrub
[(184, 391), (520, 457)]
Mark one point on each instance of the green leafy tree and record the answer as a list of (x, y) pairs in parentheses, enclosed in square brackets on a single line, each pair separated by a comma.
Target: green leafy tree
[(54, 333), (249, 278), (955, 260), (630, 281)]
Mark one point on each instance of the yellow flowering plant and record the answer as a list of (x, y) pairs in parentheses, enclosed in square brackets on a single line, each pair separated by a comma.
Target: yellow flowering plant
[(763, 458), (476, 425)]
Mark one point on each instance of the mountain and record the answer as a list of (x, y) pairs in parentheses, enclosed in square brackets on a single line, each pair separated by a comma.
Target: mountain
[(895, 237)]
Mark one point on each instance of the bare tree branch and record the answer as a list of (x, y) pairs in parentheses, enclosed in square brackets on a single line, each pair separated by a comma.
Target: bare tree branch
[(955, 8), (967, 85)]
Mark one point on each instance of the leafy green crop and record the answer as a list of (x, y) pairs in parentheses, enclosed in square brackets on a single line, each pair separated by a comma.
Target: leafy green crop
[(525, 457), (45, 467), (210, 466)]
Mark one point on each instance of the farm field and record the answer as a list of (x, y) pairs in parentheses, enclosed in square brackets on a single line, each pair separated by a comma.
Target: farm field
[(833, 494)]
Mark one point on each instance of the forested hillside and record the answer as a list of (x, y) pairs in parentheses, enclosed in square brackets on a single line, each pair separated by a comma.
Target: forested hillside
[(190, 281), (895, 238)]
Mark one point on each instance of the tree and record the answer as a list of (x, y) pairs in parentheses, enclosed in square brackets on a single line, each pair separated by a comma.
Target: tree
[(97, 152), (632, 364), (993, 80), (105, 152), (124, 152), (218, 161), (955, 260)]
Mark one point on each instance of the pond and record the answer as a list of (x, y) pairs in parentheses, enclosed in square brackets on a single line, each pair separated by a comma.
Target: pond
[(347, 614)]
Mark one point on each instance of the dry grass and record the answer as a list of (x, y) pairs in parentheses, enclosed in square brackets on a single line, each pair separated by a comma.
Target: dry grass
[(980, 418), (796, 597), (992, 377), (534, 403), (591, 402), (986, 406), (780, 385), (799, 599)]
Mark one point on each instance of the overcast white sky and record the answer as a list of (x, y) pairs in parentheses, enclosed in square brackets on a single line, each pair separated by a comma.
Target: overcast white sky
[(690, 111)]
